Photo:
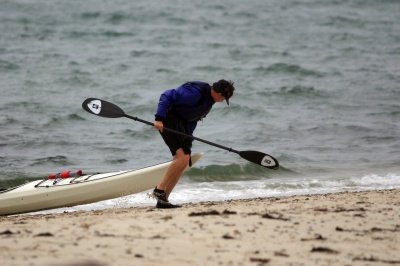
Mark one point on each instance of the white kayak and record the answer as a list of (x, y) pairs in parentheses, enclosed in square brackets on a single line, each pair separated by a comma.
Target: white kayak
[(49, 193)]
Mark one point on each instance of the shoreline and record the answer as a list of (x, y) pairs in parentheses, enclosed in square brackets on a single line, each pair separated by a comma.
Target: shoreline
[(344, 228)]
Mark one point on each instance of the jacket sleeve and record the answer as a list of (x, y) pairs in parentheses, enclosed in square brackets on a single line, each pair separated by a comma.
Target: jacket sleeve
[(166, 100), (183, 95)]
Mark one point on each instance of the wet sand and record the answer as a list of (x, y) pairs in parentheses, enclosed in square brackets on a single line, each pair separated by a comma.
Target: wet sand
[(349, 228)]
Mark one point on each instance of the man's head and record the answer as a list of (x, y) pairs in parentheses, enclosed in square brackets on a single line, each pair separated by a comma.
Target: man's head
[(224, 89)]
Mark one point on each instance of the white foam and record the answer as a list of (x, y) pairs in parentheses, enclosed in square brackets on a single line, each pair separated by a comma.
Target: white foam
[(220, 191)]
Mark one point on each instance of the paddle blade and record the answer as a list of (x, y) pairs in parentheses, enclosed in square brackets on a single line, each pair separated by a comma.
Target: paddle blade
[(102, 108), (260, 159)]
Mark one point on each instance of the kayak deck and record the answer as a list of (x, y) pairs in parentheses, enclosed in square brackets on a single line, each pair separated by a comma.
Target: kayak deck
[(49, 193)]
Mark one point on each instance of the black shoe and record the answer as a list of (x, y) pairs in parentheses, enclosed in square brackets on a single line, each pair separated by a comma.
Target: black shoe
[(162, 202), (166, 205), (159, 194)]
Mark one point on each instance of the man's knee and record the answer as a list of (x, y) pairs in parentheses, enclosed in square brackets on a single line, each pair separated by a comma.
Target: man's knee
[(182, 157)]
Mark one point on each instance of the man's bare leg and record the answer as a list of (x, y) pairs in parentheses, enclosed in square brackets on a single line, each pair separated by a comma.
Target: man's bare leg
[(174, 172)]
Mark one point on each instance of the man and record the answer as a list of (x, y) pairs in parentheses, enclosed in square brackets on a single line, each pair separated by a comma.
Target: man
[(181, 109)]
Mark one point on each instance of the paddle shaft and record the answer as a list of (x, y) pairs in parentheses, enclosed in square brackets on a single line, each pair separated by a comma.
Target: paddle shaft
[(184, 134), (106, 109)]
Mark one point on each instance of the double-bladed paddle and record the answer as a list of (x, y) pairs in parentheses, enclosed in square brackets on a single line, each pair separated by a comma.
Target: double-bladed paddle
[(106, 109)]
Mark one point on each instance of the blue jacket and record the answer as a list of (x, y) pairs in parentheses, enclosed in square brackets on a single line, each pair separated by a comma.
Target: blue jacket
[(189, 102)]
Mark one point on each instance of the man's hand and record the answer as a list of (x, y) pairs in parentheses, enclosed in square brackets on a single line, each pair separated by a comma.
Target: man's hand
[(159, 125)]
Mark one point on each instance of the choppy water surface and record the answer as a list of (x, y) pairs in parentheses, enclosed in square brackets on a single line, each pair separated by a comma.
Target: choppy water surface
[(317, 86)]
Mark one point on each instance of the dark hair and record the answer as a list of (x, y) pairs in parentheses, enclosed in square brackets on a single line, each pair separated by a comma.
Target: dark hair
[(224, 87)]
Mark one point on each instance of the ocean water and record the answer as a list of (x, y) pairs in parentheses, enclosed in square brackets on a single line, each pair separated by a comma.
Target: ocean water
[(317, 86)]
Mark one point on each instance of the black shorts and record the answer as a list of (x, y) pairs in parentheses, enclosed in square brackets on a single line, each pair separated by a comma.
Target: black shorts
[(175, 141)]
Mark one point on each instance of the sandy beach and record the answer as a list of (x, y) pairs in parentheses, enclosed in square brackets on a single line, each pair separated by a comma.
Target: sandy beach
[(349, 228)]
